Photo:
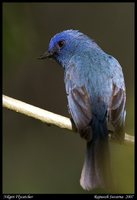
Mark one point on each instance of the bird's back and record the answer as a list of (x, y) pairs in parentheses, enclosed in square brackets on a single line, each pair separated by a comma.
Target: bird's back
[(99, 73)]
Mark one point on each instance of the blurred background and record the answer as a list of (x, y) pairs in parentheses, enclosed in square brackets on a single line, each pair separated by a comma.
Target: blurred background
[(42, 159)]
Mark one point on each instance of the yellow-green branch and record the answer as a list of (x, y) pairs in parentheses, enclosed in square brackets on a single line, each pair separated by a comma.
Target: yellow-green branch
[(43, 115)]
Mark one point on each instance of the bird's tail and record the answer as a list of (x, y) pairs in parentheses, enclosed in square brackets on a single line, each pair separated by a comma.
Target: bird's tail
[(96, 172)]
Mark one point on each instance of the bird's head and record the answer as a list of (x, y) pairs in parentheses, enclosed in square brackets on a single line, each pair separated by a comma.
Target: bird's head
[(63, 46)]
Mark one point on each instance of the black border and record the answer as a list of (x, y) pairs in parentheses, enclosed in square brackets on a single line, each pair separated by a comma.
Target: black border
[(62, 196)]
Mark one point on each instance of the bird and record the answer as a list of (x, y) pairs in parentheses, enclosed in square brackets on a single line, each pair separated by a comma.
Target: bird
[(96, 95)]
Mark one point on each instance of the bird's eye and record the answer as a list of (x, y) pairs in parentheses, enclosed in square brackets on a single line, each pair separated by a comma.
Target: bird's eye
[(61, 43)]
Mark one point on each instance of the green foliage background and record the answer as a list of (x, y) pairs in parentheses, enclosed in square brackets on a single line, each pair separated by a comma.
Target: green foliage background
[(42, 159)]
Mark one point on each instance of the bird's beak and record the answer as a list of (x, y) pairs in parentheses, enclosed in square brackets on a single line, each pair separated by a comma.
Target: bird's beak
[(46, 55)]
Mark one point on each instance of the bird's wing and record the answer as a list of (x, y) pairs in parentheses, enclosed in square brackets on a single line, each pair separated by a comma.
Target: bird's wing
[(80, 106), (79, 101), (117, 111), (118, 106)]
